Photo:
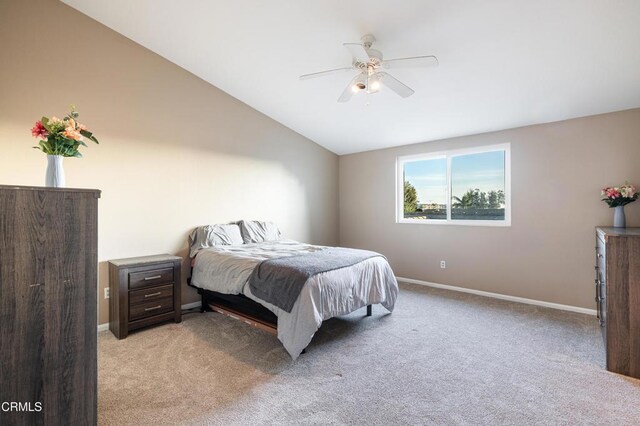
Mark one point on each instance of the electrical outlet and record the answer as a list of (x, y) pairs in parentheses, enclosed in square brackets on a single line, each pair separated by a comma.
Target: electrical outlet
[(106, 293), (443, 264)]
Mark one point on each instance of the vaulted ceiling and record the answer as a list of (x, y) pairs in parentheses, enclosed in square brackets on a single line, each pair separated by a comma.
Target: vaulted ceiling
[(503, 63)]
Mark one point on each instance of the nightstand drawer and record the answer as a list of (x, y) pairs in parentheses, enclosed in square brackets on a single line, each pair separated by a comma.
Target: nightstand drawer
[(152, 277), (151, 293), (150, 308)]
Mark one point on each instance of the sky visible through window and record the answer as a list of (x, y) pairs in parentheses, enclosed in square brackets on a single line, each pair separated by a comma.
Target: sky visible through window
[(429, 177), (484, 171)]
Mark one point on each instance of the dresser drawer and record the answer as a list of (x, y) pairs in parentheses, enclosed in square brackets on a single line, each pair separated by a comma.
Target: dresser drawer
[(601, 273), (601, 265), (150, 308), (151, 277), (600, 254), (137, 297)]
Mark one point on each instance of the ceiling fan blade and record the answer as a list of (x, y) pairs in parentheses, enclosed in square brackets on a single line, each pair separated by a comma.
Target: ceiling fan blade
[(394, 84), (324, 73), (357, 51), (348, 91), (411, 62)]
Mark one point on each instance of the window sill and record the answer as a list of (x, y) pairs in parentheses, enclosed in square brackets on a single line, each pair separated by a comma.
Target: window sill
[(489, 223)]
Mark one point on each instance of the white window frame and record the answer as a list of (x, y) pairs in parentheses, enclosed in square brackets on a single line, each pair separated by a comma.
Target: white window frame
[(400, 162)]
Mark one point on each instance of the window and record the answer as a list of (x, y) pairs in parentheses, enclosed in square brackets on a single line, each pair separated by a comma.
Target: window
[(462, 187)]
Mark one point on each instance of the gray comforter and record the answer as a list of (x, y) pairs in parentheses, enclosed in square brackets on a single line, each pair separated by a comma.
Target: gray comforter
[(226, 269), (279, 281)]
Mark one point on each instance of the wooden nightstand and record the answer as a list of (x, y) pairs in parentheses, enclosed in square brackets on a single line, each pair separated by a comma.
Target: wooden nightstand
[(143, 291)]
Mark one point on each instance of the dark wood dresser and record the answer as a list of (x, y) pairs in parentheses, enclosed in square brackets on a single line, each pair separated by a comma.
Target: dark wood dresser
[(143, 291), (48, 307), (618, 297)]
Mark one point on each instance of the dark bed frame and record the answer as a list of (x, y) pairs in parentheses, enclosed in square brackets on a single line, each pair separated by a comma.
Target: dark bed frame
[(241, 307)]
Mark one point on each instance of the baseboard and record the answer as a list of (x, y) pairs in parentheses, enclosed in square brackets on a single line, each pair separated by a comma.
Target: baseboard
[(502, 296), (105, 326)]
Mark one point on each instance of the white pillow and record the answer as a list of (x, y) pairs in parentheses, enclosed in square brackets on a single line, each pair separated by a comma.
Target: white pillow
[(213, 235), (254, 231)]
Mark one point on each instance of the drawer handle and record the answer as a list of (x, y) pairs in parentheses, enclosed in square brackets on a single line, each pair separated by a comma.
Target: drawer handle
[(153, 294), (153, 308), (155, 277)]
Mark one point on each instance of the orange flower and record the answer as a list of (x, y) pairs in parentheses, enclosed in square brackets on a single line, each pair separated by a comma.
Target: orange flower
[(72, 133)]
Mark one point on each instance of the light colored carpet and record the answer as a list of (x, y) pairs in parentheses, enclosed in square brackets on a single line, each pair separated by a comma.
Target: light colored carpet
[(440, 358)]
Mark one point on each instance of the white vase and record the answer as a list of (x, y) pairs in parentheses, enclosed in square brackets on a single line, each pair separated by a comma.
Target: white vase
[(55, 173), (618, 217)]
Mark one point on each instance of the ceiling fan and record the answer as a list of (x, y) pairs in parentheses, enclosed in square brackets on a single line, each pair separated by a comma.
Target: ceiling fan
[(370, 64)]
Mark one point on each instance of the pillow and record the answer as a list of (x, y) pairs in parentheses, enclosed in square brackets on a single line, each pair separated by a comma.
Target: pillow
[(254, 231), (213, 235)]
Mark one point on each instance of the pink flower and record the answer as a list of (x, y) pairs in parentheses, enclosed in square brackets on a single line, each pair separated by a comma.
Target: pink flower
[(613, 193), (38, 130)]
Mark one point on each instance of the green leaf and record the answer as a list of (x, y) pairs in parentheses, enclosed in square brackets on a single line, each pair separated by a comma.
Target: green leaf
[(45, 123), (45, 146), (87, 134)]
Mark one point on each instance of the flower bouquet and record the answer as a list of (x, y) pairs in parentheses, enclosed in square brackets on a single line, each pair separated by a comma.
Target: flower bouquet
[(61, 136), (617, 198), (620, 196)]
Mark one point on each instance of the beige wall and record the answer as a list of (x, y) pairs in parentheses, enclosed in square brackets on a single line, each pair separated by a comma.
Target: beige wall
[(548, 252), (175, 151)]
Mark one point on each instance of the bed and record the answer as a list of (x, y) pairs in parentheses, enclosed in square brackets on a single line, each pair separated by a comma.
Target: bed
[(227, 264)]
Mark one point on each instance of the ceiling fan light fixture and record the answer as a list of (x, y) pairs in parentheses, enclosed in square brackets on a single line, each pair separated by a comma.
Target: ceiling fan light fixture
[(359, 83), (374, 84), (358, 87)]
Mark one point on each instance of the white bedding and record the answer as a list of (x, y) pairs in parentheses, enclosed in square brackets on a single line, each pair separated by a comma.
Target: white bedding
[(226, 269)]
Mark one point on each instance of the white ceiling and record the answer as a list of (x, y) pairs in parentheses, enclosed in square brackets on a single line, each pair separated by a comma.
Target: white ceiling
[(503, 63)]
